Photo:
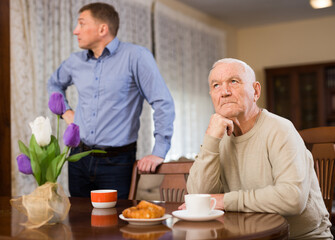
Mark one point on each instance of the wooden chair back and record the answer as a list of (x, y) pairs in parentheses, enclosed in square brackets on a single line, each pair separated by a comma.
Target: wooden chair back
[(173, 187), (321, 142)]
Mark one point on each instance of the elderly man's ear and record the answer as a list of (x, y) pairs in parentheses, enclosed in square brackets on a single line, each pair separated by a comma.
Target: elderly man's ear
[(257, 94)]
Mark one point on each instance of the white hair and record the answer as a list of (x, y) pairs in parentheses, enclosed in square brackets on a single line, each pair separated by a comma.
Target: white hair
[(247, 68)]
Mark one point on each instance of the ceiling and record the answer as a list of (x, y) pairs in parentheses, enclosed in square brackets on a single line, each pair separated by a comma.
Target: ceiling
[(248, 13)]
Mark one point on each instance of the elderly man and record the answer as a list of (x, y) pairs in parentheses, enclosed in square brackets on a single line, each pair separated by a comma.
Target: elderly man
[(254, 161)]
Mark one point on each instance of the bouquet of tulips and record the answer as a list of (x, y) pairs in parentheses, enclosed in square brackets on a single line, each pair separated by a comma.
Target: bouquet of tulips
[(44, 159)]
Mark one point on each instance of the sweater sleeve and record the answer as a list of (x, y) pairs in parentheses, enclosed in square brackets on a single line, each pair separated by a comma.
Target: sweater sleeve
[(292, 169), (205, 173)]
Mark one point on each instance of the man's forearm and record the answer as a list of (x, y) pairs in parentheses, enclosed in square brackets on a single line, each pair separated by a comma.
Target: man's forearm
[(206, 171)]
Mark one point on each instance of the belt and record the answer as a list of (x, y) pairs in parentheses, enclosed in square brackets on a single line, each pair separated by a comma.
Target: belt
[(110, 151)]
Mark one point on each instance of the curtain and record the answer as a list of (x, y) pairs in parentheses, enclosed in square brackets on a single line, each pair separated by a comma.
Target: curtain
[(185, 52), (41, 38)]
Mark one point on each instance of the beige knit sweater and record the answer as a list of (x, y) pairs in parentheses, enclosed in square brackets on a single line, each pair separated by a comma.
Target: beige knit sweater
[(268, 169)]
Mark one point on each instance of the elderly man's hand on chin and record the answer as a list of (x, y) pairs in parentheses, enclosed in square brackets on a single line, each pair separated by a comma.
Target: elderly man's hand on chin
[(218, 198), (149, 163), (219, 125)]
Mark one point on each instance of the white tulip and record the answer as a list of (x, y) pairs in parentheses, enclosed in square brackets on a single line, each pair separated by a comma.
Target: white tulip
[(41, 128)]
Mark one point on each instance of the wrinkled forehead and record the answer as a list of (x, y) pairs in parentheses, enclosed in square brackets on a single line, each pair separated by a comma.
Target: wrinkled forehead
[(222, 71)]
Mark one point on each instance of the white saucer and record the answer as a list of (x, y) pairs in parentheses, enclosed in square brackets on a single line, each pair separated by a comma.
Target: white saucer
[(183, 214), (151, 221)]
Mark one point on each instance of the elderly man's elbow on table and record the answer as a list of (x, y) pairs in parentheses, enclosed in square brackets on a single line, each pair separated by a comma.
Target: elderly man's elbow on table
[(294, 205)]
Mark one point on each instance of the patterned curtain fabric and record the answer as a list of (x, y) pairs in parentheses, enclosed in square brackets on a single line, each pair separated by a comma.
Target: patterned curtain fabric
[(41, 38), (185, 52)]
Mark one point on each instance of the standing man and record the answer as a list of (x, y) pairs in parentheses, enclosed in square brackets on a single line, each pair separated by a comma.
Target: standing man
[(254, 161), (112, 79)]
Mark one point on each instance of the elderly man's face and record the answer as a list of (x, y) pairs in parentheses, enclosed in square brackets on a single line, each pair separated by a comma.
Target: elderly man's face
[(231, 89)]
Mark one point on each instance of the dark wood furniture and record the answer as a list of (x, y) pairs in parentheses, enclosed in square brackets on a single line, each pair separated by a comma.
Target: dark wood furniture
[(173, 187), (82, 224), (305, 94), (5, 141), (321, 142)]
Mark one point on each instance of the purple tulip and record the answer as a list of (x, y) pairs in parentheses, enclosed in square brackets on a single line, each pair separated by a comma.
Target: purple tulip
[(56, 103), (24, 165), (71, 136)]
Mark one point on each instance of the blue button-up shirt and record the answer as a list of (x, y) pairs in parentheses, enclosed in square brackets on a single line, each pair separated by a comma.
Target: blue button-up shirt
[(111, 90)]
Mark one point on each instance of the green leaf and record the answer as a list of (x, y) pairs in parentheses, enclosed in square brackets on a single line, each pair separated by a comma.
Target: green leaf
[(38, 157), (51, 160), (34, 147), (62, 161), (53, 148), (56, 143), (23, 148), (78, 156), (35, 166), (51, 173)]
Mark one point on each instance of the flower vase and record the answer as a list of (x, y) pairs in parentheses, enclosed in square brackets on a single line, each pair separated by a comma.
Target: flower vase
[(47, 204)]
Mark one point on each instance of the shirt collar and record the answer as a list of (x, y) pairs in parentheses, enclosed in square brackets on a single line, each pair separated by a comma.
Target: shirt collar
[(110, 49)]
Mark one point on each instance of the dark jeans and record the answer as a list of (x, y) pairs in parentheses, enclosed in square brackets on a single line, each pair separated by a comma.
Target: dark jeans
[(92, 172)]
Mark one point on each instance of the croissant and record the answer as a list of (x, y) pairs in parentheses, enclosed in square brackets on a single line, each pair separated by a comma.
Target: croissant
[(145, 210)]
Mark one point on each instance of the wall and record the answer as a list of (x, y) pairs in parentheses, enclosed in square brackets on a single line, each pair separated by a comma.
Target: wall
[(284, 44)]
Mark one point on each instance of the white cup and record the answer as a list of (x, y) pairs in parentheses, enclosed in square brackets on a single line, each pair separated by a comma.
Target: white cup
[(199, 204)]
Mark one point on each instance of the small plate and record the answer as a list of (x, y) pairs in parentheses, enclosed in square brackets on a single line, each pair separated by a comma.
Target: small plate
[(183, 214), (151, 221)]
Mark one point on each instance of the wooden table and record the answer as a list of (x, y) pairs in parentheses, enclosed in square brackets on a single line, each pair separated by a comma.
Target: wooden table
[(83, 223)]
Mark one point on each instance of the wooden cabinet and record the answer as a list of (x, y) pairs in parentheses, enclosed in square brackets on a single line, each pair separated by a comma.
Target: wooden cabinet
[(305, 94)]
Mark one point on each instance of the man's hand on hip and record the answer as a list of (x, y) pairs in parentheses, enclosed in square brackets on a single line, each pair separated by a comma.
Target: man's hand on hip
[(149, 163), (68, 116)]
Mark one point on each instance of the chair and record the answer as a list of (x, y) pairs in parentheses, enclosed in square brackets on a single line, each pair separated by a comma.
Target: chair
[(173, 187), (321, 142)]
